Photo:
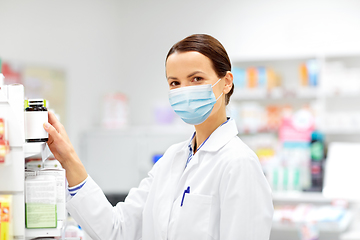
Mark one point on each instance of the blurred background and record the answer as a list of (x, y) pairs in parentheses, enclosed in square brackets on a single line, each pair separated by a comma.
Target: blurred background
[(101, 66)]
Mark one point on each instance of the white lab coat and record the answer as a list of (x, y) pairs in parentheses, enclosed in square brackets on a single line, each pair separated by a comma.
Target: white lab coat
[(229, 197)]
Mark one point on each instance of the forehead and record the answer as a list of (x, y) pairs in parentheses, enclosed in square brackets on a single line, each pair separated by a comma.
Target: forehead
[(185, 62)]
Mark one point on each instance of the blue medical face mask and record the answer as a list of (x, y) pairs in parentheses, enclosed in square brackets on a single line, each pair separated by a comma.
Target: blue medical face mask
[(194, 103)]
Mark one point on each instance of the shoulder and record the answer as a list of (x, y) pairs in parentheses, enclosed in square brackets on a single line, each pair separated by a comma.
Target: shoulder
[(240, 165), (176, 147), (236, 150), (171, 151), (237, 158)]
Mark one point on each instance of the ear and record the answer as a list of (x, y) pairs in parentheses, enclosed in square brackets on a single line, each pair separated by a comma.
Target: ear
[(228, 82)]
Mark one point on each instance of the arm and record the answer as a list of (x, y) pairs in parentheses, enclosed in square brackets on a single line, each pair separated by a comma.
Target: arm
[(60, 145), (245, 201), (89, 207)]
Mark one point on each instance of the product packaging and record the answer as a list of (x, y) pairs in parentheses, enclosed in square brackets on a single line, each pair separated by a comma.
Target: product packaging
[(36, 115), (239, 77), (33, 164), (40, 202), (252, 77), (262, 77), (60, 179), (2, 129), (317, 161), (115, 111), (4, 150), (5, 217), (52, 164), (4, 144), (313, 72), (304, 79), (59, 175)]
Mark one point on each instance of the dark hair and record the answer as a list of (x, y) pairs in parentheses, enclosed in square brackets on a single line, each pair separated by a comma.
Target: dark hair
[(211, 48)]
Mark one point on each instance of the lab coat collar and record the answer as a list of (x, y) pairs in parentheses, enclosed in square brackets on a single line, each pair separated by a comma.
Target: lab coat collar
[(216, 140), (220, 136)]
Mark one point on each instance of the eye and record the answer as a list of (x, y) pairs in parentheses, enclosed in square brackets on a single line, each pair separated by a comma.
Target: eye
[(174, 83), (197, 79)]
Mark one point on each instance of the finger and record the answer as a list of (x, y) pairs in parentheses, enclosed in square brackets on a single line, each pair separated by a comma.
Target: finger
[(58, 126), (54, 121), (54, 134), (50, 140)]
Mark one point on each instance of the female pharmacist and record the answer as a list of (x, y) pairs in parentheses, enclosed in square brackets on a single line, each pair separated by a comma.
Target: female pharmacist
[(210, 186)]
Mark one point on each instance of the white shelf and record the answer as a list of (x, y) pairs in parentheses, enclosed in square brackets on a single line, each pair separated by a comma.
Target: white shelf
[(44, 232), (272, 57), (239, 58), (304, 197), (340, 131), (351, 235), (301, 93), (335, 227), (38, 150), (307, 92), (255, 94), (296, 197), (250, 94), (339, 95)]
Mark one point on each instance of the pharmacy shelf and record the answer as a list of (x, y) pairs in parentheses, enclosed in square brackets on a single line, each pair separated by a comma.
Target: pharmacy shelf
[(351, 235), (340, 95), (340, 131), (273, 57), (336, 227), (284, 57), (45, 232), (300, 197), (36, 150), (299, 94), (256, 94), (41, 151), (305, 197)]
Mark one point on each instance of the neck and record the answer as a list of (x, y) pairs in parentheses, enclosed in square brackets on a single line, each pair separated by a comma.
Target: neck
[(205, 129)]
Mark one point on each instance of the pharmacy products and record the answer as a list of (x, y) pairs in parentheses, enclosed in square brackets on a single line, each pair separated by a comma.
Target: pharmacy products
[(40, 202), (36, 115), (5, 217)]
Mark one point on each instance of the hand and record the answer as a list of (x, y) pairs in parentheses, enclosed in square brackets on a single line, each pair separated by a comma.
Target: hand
[(59, 142), (62, 149)]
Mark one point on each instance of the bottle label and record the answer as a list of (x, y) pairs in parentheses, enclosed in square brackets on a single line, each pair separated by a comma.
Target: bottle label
[(34, 125), (317, 151)]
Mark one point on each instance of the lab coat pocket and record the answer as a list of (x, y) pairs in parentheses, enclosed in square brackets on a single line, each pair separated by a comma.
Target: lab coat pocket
[(194, 217)]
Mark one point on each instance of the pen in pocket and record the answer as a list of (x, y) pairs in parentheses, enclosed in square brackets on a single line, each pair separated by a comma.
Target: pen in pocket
[(186, 191)]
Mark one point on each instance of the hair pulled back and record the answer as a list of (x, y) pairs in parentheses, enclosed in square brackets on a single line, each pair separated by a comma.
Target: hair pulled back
[(209, 47)]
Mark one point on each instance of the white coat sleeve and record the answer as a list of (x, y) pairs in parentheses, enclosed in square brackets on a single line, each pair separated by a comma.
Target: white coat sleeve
[(245, 201), (101, 221)]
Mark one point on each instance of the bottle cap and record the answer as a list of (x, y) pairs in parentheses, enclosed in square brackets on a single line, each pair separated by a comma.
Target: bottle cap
[(36, 102), (26, 103), (317, 136)]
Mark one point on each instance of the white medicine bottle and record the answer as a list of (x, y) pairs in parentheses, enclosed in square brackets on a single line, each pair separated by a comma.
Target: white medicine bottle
[(36, 114)]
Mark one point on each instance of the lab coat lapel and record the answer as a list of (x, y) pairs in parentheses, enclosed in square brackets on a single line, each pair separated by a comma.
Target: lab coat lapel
[(178, 166), (176, 170), (180, 185), (217, 140), (220, 136)]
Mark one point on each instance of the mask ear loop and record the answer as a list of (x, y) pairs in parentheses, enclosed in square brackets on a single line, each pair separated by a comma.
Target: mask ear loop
[(219, 96), (214, 86), (216, 83)]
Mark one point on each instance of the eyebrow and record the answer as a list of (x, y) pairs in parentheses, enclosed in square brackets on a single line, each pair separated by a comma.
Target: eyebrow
[(190, 75)]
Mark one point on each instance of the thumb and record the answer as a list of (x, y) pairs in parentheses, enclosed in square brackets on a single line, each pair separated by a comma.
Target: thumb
[(51, 130)]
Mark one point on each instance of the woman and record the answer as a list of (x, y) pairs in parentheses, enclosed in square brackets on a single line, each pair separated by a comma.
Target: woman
[(208, 187)]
